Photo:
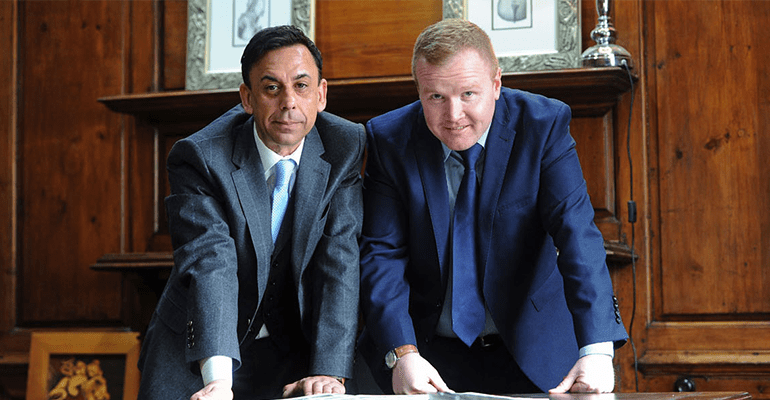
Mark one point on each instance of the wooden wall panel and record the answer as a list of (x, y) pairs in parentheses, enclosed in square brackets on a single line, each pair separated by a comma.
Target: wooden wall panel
[(69, 166), (174, 36), (144, 69), (596, 150), (705, 301), (715, 177), (8, 41), (364, 38)]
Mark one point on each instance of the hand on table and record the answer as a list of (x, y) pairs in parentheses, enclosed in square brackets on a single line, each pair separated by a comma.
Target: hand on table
[(219, 389), (591, 374), (314, 385), (414, 374)]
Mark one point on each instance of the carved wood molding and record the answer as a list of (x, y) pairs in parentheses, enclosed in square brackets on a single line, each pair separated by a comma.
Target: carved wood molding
[(706, 362), (617, 254), (134, 261)]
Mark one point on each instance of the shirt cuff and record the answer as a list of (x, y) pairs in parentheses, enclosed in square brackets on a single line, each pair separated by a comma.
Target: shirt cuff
[(606, 348), (217, 367)]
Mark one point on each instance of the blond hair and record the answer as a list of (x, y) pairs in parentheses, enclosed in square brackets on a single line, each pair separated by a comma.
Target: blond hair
[(442, 40)]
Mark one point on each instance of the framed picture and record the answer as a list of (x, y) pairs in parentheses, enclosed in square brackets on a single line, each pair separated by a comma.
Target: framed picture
[(527, 35), (83, 365), (218, 31)]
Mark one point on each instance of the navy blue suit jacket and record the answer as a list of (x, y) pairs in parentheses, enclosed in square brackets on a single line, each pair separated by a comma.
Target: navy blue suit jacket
[(545, 280)]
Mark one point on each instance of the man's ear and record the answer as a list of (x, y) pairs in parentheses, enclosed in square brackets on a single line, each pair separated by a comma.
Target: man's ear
[(246, 98), (322, 87)]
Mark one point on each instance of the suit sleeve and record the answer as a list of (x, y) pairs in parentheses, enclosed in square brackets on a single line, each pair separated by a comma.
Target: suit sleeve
[(336, 271), (204, 283), (384, 254), (568, 216)]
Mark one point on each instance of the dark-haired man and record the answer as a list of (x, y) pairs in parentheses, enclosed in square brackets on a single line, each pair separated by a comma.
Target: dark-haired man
[(264, 214)]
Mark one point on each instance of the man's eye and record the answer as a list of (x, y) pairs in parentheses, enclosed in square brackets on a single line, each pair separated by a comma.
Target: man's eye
[(435, 96), (271, 88), (468, 94), (302, 85)]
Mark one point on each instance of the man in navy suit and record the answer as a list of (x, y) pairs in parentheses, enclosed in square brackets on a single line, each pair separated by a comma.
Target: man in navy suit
[(262, 301), (546, 318)]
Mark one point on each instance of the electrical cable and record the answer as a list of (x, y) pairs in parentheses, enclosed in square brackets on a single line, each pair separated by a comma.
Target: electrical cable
[(632, 221)]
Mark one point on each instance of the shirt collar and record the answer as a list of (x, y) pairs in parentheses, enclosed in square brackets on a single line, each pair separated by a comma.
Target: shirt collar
[(270, 158), (482, 141)]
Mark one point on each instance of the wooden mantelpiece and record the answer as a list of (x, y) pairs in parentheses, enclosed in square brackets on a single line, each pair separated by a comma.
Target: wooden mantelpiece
[(588, 91)]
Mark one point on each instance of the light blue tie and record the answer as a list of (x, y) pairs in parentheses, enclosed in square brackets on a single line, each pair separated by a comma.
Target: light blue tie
[(283, 170)]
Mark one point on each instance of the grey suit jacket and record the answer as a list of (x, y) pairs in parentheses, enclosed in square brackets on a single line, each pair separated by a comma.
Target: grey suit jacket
[(219, 218)]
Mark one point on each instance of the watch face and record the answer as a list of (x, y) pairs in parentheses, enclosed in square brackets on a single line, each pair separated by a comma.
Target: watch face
[(390, 359)]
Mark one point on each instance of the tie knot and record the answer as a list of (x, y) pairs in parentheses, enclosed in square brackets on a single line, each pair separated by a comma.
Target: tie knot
[(470, 156), (283, 171)]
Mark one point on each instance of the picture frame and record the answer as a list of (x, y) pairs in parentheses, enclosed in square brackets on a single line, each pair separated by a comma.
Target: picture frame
[(218, 31), (531, 35), (83, 365)]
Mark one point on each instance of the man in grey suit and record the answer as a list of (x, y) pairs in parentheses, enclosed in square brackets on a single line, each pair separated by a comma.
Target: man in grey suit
[(262, 301)]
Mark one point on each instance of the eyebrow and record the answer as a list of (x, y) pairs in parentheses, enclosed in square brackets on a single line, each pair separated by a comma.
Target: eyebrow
[(274, 79)]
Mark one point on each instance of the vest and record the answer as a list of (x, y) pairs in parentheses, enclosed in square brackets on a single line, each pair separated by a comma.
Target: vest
[(279, 309)]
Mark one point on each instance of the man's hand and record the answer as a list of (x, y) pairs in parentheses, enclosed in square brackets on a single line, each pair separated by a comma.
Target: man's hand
[(591, 374), (314, 385), (414, 374), (219, 389)]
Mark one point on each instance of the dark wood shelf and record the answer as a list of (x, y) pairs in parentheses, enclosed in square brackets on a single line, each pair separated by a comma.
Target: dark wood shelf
[(618, 254), (588, 91), (134, 261)]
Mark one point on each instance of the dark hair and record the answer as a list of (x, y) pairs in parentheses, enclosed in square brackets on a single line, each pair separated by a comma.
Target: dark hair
[(273, 38)]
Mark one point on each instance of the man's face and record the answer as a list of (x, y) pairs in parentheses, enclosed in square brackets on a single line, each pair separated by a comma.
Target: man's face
[(285, 97), (458, 98)]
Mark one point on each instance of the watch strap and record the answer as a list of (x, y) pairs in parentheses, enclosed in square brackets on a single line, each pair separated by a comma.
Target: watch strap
[(392, 357), (401, 351)]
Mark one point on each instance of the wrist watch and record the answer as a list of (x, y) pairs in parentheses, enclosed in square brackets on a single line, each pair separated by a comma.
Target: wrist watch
[(394, 355)]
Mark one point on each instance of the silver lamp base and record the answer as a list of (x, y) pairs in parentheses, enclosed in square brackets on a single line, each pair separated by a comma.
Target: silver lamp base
[(606, 55)]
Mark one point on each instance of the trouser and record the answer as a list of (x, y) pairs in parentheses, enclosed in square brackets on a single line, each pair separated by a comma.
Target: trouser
[(266, 368), (485, 367)]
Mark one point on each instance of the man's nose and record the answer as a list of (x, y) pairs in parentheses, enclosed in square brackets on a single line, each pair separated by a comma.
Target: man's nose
[(288, 100), (454, 109)]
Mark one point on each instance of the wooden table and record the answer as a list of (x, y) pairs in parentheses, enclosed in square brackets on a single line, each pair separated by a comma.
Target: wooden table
[(644, 396), (567, 396)]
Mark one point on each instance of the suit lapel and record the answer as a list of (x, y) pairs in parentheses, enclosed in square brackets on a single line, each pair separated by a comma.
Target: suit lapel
[(249, 181), (309, 190), (498, 149), (430, 163)]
